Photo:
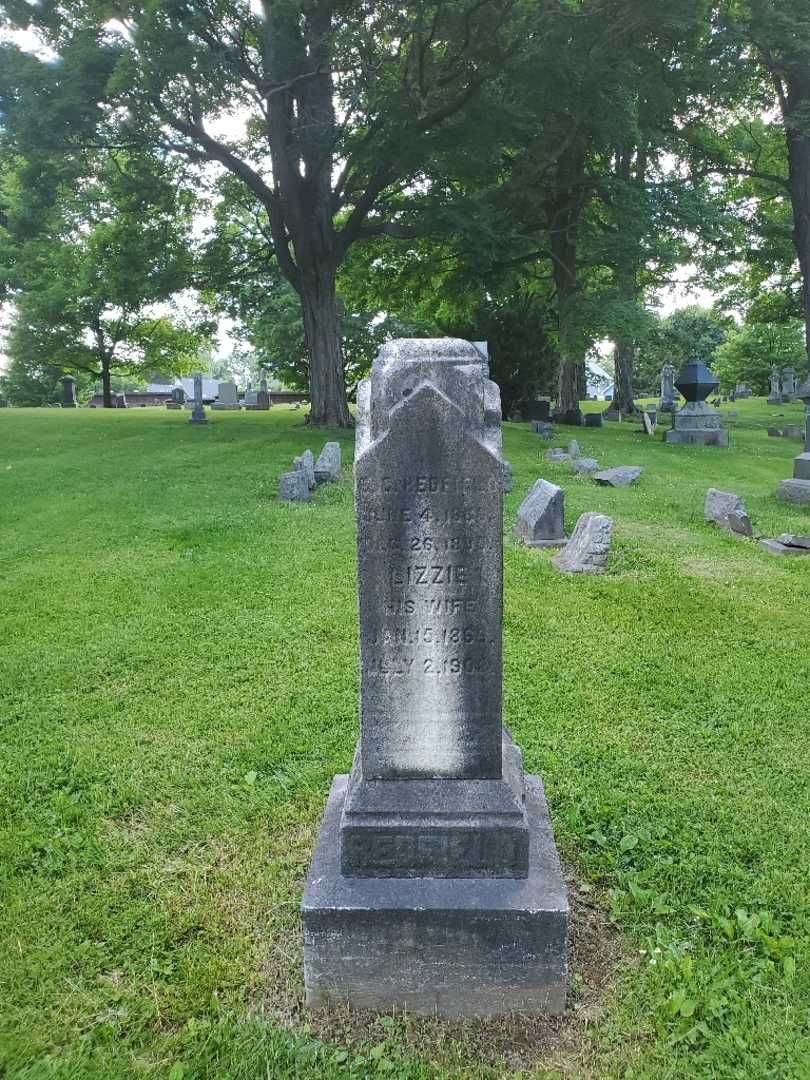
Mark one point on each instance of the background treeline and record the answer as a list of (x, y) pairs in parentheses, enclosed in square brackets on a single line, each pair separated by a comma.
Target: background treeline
[(328, 175)]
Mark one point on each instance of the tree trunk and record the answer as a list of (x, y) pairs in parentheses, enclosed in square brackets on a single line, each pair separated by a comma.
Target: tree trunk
[(623, 393), (105, 383), (572, 365), (798, 140), (327, 385)]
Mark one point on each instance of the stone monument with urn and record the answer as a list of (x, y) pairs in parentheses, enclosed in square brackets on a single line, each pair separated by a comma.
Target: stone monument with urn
[(696, 423), (435, 884)]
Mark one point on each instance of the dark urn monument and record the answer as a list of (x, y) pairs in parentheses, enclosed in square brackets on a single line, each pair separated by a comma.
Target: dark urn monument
[(696, 423), (69, 392), (435, 885)]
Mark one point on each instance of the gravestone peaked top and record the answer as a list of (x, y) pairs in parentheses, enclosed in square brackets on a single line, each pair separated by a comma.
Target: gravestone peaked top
[(437, 791)]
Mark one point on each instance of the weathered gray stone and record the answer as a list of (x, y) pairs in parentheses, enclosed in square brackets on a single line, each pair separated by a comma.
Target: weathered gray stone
[(588, 549), (792, 540), (726, 509), (585, 466), (327, 467), (795, 491), (198, 415), (593, 420), (775, 396), (775, 547), (69, 392), (557, 455), (648, 424), (263, 402), (293, 486), (623, 476), (801, 467), (227, 398), (506, 471), (697, 424), (541, 517), (667, 403), (306, 462), (788, 384), (436, 838), (543, 428), (573, 449)]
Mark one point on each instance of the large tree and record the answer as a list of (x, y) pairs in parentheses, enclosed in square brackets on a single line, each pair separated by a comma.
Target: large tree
[(345, 103), (91, 264)]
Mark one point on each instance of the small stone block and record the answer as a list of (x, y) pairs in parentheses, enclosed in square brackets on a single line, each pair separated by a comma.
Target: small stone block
[(293, 487), (593, 420), (791, 540), (585, 466), (794, 491), (573, 449), (306, 463), (540, 519), (327, 467), (774, 547), (557, 455), (543, 428), (587, 550), (801, 467), (623, 476)]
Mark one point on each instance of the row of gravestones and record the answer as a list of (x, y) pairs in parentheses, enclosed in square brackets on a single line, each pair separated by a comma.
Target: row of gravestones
[(783, 386), (307, 473)]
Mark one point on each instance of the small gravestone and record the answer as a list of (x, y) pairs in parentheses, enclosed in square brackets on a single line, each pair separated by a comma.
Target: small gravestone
[(593, 420), (570, 417), (177, 399), (585, 466), (612, 416), (506, 469), (588, 549), (726, 509), (539, 409), (227, 398), (263, 402), (327, 467), (777, 548), (573, 449), (557, 455), (775, 396), (540, 519), (293, 486), (198, 415), (306, 463), (667, 403), (121, 401), (649, 426), (544, 429), (623, 476), (794, 541), (251, 399), (69, 392), (788, 384), (3, 403), (797, 490), (435, 885)]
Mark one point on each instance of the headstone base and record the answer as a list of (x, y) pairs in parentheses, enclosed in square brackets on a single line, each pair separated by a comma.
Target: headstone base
[(444, 946), (697, 438), (225, 408)]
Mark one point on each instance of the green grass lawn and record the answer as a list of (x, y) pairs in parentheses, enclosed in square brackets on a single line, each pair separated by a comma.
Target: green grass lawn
[(178, 684)]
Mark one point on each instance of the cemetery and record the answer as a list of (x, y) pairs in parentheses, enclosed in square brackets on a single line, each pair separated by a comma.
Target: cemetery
[(404, 540)]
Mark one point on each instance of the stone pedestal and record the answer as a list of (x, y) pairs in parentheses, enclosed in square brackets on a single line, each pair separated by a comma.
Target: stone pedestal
[(435, 884), (69, 392), (198, 411), (697, 424)]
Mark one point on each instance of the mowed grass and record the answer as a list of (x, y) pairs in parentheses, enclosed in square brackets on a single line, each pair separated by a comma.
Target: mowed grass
[(178, 684)]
